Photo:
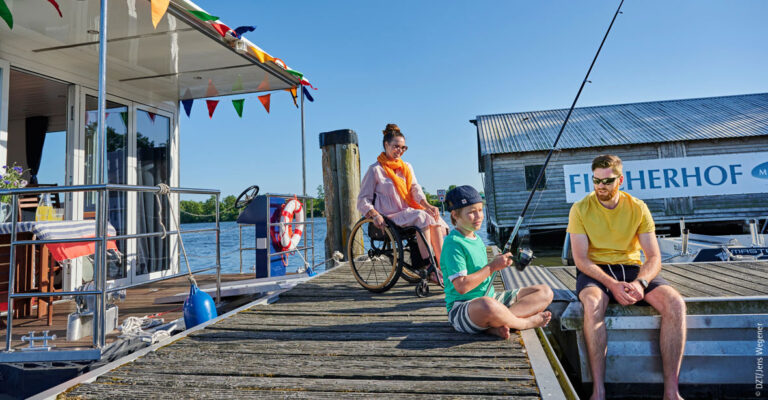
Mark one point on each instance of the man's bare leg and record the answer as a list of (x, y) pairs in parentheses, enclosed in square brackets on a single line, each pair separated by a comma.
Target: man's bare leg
[(668, 302), (532, 300), (595, 302)]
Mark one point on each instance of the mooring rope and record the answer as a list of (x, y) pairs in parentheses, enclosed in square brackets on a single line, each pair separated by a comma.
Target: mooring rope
[(165, 190)]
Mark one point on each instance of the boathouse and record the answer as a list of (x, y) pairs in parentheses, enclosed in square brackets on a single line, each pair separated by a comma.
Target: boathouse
[(705, 160)]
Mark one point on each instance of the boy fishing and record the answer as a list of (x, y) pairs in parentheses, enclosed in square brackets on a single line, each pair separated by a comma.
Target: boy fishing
[(467, 275)]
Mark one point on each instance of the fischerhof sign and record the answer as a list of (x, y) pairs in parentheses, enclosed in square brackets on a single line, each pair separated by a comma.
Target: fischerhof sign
[(679, 177)]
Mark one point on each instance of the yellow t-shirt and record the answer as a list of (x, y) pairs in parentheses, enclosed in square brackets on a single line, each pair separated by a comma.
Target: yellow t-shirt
[(612, 233)]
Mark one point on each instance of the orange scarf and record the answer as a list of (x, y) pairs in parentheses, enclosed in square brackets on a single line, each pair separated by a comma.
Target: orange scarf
[(403, 188)]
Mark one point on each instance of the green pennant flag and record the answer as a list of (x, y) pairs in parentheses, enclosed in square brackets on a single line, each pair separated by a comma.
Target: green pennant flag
[(5, 14), (238, 83), (124, 117), (203, 15), (295, 73), (238, 106)]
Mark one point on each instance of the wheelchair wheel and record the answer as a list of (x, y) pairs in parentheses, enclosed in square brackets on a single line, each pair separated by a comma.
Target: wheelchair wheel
[(374, 256), (422, 289)]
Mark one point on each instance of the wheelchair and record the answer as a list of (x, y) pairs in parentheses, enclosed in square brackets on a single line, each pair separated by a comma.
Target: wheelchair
[(379, 257)]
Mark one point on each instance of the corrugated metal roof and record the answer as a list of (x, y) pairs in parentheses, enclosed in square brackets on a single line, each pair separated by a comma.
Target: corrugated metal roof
[(651, 122)]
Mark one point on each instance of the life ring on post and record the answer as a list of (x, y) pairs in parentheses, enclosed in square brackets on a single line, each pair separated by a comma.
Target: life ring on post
[(290, 235)]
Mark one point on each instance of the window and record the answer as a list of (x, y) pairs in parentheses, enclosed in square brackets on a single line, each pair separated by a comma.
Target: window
[(531, 173)]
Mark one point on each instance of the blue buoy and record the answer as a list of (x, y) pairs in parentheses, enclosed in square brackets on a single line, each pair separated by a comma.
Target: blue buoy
[(198, 308)]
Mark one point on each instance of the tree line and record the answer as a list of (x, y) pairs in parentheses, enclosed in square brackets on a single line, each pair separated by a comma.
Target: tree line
[(205, 211)]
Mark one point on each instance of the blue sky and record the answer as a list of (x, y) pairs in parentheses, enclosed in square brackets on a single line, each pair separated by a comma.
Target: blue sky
[(431, 66)]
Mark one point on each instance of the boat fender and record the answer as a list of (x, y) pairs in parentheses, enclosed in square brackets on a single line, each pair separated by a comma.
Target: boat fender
[(198, 308), (290, 235)]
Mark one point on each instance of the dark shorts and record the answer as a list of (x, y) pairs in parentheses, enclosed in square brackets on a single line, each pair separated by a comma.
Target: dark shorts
[(626, 274)]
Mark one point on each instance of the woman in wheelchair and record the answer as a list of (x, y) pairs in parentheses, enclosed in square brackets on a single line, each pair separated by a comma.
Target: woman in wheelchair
[(392, 185)]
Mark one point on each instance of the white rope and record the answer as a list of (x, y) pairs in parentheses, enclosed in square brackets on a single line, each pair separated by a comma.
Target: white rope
[(166, 190), (134, 327)]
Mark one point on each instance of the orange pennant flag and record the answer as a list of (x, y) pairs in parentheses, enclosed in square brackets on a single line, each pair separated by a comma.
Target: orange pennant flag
[(265, 101), (159, 7), (292, 91)]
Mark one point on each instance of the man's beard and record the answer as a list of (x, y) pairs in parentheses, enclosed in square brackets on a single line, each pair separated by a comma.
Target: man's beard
[(608, 196)]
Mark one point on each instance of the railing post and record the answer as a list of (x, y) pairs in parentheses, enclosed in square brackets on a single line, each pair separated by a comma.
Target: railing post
[(240, 247), (11, 271), (218, 253)]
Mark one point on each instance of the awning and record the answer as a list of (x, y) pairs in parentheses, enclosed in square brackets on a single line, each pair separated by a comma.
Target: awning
[(183, 53)]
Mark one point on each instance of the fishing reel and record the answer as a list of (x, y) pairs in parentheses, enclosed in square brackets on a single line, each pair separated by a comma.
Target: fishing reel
[(523, 257)]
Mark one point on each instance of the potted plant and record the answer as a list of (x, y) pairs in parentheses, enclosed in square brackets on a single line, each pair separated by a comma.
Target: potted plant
[(11, 179)]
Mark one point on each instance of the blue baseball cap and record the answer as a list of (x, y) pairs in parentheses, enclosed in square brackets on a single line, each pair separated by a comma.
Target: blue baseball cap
[(462, 196)]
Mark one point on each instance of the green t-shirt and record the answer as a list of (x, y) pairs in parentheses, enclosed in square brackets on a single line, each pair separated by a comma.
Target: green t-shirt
[(462, 256)]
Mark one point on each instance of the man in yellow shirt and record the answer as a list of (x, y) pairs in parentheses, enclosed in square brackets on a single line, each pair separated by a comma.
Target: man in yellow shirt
[(608, 228)]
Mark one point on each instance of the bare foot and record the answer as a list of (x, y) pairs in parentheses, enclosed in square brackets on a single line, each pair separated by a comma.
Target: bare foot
[(540, 320), (501, 331), (673, 396)]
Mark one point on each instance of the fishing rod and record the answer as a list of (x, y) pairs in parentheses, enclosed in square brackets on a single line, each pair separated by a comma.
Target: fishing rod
[(525, 255)]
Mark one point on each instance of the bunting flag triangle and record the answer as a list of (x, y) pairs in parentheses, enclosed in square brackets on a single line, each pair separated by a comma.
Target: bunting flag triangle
[(159, 7), (151, 116), (295, 73), (264, 85), (6, 15), (211, 107), (56, 5), (306, 94), (238, 83), (265, 101), (187, 106), (260, 55), (292, 91), (238, 104), (305, 82), (203, 15), (240, 30), (188, 102), (211, 91), (221, 28), (124, 117)]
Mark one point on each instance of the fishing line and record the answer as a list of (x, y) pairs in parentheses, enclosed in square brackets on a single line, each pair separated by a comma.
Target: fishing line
[(508, 245)]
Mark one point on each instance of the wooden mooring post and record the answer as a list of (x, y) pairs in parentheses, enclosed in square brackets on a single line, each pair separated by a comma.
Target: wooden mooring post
[(341, 178)]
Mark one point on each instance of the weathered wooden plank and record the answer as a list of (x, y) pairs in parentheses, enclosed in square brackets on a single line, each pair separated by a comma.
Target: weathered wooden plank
[(470, 349), (147, 385), (718, 278)]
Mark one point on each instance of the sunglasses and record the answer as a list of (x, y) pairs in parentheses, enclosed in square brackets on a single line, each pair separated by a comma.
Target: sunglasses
[(604, 181), (399, 148)]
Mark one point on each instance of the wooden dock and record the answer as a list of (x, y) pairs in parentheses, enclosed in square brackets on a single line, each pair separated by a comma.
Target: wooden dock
[(715, 279), (328, 338)]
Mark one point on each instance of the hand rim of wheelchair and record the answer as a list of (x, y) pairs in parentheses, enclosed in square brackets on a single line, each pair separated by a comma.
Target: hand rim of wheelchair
[(395, 268)]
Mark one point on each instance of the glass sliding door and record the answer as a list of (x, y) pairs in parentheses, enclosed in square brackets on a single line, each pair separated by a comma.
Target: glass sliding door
[(117, 155), (153, 135)]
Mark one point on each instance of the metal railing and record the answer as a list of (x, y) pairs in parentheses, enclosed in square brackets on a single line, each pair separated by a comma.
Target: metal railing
[(100, 239)]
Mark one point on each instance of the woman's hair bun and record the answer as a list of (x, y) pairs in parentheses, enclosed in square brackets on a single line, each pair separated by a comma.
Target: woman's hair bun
[(391, 128)]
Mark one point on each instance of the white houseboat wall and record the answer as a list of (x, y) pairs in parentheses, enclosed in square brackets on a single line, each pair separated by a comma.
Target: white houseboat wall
[(725, 137)]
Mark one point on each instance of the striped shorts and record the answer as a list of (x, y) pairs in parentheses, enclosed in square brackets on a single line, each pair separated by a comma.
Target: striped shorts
[(459, 314)]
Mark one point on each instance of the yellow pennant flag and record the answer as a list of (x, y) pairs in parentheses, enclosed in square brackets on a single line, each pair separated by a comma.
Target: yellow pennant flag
[(260, 55), (159, 7)]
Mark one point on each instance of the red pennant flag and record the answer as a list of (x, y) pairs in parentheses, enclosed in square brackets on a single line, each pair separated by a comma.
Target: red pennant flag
[(221, 28), (151, 116), (211, 107), (265, 101), (55, 4)]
